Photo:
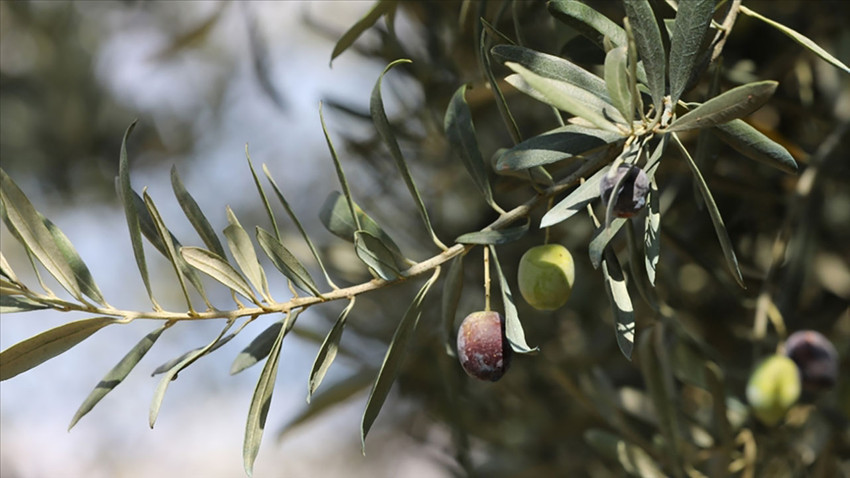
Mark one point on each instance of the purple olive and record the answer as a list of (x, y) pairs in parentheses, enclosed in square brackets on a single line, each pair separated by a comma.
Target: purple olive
[(482, 348), (816, 358), (632, 197)]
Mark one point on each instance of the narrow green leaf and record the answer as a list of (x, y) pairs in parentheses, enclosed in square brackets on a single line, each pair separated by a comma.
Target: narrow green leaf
[(152, 233), (171, 368), (23, 218), (263, 196), (240, 245), (651, 237), (343, 182), (735, 103), (452, 290), (489, 236), (336, 217), (258, 349), (195, 215), (460, 132), (637, 257), (393, 359), (329, 397), (294, 218), (10, 304), (590, 23), (376, 255), (716, 219), (601, 238), (650, 47), (286, 262), (621, 303), (799, 38), (561, 143), (36, 350), (260, 404), (118, 373), (553, 67), (82, 275), (658, 377), (382, 124), (219, 269), (617, 82), (487, 32), (753, 144), (327, 351), (567, 97), (380, 8), (513, 326), (171, 251), (6, 270), (575, 201), (692, 21), (634, 460), (126, 195)]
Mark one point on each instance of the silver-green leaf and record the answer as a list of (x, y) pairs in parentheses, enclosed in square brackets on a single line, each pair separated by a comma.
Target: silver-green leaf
[(327, 351), (513, 327), (735, 103), (692, 21), (219, 269), (650, 47), (621, 303), (753, 144)]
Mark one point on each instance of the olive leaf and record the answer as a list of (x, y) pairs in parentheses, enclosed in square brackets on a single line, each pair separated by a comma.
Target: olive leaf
[(601, 238), (692, 21), (375, 254), (650, 46), (553, 67), (753, 144), (10, 304), (452, 290), (196, 217), (117, 374), (258, 349), (575, 201), (460, 132), (36, 350), (714, 213), (263, 196), (382, 124), (735, 103), (799, 38), (393, 359), (219, 269), (489, 236), (567, 97), (379, 9), (587, 21), (556, 145), (169, 245), (240, 245), (513, 327), (286, 262), (651, 237), (617, 82), (22, 218), (327, 351), (131, 212), (621, 303)]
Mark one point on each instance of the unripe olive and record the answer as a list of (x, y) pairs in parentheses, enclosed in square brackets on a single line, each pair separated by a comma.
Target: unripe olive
[(773, 388), (482, 348), (816, 358), (632, 197), (546, 276)]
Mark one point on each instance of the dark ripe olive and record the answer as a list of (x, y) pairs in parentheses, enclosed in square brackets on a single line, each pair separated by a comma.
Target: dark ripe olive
[(631, 198), (816, 358), (482, 348)]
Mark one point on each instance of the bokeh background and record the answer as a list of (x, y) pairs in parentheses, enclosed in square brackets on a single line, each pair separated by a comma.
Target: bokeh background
[(205, 78)]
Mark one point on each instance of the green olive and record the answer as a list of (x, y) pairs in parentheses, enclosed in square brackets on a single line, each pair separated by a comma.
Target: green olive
[(546, 276), (773, 388)]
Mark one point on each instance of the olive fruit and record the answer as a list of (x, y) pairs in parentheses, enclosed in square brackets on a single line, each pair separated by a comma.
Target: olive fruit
[(816, 358), (631, 198), (773, 388), (482, 348), (546, 275)]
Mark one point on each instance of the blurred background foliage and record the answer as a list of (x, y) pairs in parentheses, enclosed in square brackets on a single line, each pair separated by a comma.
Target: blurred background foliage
[(61, 130)]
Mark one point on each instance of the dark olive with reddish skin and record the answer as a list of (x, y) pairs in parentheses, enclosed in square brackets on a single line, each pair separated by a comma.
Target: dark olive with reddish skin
[(631, 197), (482, 348), (816, 358)]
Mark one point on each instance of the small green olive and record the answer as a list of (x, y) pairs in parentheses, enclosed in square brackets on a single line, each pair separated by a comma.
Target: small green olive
[(546, 276), (773, 388), (482, 348)]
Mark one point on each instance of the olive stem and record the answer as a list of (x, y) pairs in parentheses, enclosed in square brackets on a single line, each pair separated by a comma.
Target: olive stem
[(486, 279)]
